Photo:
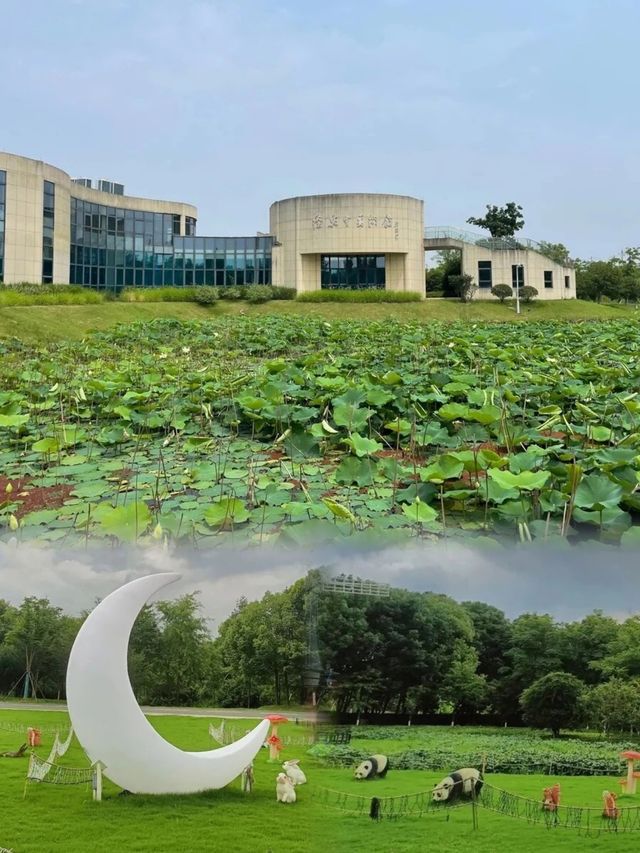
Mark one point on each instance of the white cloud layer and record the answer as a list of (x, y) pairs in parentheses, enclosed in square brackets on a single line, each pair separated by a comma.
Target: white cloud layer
[(566, 584)]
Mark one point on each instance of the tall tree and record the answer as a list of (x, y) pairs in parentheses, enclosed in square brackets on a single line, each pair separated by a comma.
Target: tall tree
[(500, 221), (557, 252), (555, 701), (35, 639), (491, 637)]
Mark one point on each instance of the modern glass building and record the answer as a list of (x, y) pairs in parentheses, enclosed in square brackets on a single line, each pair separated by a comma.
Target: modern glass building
[(115, 247), (55, 229)]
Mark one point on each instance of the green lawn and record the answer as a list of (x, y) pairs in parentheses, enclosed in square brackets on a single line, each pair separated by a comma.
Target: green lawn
[(57, 818), (42, 323)]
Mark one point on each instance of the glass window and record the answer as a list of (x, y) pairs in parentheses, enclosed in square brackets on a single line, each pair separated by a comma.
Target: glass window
[(484, 274), (548, 278), (346, 271), (567, 281), (517, 276), (48, 224)]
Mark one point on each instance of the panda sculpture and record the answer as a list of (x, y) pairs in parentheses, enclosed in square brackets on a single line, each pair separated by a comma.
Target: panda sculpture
[(460, 784), (375, 765)]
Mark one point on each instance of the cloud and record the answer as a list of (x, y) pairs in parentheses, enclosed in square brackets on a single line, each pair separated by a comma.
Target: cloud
[(566, 584)]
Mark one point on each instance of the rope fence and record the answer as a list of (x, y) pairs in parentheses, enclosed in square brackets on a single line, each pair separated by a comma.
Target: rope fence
[(584, 820), (55, 774), (22, 729), (228, 734)]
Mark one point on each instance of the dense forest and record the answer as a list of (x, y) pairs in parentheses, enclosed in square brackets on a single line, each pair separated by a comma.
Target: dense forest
[(403, 653)]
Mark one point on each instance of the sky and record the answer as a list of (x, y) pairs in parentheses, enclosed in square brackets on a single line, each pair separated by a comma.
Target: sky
[(232, 104), (567, 584)]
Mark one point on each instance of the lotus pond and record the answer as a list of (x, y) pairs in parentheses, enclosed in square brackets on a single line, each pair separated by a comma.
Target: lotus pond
[(291, 429)]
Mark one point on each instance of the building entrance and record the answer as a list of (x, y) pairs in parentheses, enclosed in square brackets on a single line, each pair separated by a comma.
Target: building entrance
[(352, 271)]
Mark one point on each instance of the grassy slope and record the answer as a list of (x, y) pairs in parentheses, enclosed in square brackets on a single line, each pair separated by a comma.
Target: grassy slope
[(56, 818), (41, 323)]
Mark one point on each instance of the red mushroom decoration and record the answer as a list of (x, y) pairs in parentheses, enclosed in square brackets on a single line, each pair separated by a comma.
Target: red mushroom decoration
[(275, 744), (629, 784)]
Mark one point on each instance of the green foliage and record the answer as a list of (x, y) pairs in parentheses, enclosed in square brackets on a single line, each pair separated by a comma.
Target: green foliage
[(509, 751), (282, 292), (557, 252), (358, 296), (528, 293), (462, 286), (258, 293), (439, 278), (502, 292), (615, 279), (614, 705), (496, 432), (48, 294), (205, 295), (500, 221), (554, 701)]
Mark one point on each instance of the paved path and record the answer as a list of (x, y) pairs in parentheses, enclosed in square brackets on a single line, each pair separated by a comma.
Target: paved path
[(239, 713)]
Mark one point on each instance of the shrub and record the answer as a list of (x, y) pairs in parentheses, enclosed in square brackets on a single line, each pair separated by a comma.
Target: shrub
[(463, 286), (283, 292), (358, 296), (48, 294), (232, 292), (434, 294), (158, 294), (205, 295), (502, 292), (528, 293), (257, 293)]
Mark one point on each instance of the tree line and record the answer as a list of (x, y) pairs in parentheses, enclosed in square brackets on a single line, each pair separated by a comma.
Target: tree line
[(404, 653), (423, 653), (257, 657)]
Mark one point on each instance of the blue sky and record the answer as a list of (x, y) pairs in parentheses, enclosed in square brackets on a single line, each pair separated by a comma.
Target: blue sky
[(232, 105)]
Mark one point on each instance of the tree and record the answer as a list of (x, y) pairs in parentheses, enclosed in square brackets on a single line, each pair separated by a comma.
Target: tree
[(463, 689), (528, 293), (622, 659), (595, 279), (554, 702), (439, 277), (500, 221), (557, 252), (584, 644), (37, 639), (463, 286), (492, 637), (614, 705), (181, 651), (502, 292), (534, 651)]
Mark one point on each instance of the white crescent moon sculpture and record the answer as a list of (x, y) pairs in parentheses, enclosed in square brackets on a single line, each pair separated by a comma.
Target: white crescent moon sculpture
[(108, 721)]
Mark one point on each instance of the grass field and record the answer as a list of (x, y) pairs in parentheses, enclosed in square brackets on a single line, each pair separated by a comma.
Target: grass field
[(57, 818), (42, 323)]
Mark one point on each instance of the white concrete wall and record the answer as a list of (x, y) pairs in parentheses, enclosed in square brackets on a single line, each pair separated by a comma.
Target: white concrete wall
[(23, 220), (534, 265), (350, 223)]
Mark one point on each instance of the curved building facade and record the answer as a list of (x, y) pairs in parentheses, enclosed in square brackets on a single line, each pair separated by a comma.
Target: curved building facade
[(55, 229), (351, 240)]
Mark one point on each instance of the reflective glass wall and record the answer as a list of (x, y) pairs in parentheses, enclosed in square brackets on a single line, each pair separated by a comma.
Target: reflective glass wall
[(48, 222), (114, 248), (219, 261), (3, 196), (352, 271)]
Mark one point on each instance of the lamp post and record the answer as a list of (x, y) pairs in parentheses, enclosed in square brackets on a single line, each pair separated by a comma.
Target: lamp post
[(518, 268)]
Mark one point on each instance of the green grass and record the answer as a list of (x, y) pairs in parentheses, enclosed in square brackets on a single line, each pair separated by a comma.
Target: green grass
[(57, 818), (42, 323)]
